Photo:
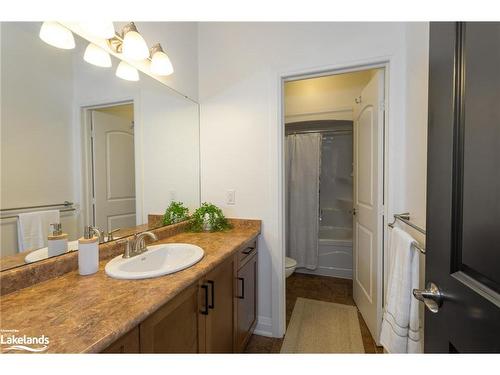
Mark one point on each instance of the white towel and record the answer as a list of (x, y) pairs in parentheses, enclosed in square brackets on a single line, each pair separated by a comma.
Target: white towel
[(401, 324), (33, 229)]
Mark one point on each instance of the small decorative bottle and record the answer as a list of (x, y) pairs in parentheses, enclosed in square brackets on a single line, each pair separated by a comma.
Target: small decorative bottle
[(88, 253), (57, 241)]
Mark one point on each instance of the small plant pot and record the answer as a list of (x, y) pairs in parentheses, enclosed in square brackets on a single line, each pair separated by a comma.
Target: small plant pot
[(207, 226)]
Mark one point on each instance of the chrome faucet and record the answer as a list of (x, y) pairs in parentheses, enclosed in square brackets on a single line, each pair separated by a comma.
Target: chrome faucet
[(137, 245), (94, 230)]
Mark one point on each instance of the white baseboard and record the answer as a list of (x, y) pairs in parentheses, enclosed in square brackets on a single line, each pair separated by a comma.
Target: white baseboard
[(264, 326)]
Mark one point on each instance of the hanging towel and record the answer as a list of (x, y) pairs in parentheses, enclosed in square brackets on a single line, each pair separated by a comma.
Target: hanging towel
[(33, 229), (401, 324)]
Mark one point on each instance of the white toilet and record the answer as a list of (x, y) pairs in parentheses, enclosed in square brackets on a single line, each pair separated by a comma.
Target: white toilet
[(290, 265)]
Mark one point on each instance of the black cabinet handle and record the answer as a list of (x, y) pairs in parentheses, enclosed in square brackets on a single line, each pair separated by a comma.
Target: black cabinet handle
[(212, 284), (242, 288), (248, 250), (205, 310)]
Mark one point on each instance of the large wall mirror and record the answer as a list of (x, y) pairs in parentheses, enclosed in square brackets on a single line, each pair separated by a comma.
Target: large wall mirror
[(81, 146)]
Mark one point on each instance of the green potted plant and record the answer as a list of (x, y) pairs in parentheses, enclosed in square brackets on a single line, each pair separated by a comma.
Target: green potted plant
[(175, 213), (209, 218)]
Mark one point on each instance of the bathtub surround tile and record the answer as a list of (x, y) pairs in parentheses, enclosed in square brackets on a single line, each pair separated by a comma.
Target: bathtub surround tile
[(88, 313)]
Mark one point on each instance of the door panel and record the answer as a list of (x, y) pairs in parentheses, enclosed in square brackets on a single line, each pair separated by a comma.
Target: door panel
[(114, 170), (365, 141), (246, 301), (119, 158), (219, 321), (364, 255), (174, 327), (463, 187), (367, 244), (481, 154)]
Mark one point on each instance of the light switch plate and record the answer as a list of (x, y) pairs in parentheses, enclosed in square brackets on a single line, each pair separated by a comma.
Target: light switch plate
[(231, 197)]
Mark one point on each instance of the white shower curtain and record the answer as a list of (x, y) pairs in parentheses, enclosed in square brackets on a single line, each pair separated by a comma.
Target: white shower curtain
[(302, 170)]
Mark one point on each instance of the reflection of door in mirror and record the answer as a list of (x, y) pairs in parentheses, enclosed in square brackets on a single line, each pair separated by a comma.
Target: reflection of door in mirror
[(113, 169)]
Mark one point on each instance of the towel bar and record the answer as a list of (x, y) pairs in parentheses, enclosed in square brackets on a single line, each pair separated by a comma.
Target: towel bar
[(405, 218), (67, 207)]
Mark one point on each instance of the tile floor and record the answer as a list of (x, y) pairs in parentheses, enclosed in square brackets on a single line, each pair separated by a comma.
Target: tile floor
[(328, 289)]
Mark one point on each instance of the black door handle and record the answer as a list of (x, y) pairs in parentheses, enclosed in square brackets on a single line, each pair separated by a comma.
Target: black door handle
[(212, 284), (205, 311), (242, 288)]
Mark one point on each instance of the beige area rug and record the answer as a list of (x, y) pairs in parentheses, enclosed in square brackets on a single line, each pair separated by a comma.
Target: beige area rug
[(323, 327)]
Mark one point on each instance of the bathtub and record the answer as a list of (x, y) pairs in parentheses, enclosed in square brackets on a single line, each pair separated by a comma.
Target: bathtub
[(334, 253)]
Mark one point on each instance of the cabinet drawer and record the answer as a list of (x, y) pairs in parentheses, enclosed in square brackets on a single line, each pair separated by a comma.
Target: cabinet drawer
[(246, 252)]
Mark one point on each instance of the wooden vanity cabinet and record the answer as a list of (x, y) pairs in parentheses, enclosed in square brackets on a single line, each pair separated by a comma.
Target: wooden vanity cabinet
[(217, 314), (216, 317), (246, 297), (174, 327), (127, 344)]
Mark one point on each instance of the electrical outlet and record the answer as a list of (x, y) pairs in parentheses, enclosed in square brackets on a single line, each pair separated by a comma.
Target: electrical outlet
[(231, 197)]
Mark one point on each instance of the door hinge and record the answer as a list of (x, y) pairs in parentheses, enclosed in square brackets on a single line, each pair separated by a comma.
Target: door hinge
[(381, 105)]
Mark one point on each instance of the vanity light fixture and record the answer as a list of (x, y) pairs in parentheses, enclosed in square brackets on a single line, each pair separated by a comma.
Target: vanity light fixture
[(134, 46), (57, 35), (100, 29), (97, 56), (127, 72), (160, 63)]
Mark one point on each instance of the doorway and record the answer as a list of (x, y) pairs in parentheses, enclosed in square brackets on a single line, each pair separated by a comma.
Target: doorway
[(111, 166), (334, 190)]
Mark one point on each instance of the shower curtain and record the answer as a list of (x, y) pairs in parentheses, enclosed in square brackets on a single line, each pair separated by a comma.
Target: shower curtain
[(302, 171)]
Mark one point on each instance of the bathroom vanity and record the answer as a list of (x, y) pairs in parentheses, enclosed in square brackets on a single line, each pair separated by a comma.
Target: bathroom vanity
[(217, 314), (210, 307)]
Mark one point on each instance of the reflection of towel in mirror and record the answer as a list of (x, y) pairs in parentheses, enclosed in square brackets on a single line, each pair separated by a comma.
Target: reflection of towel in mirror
[(401, 323), (33, 229)]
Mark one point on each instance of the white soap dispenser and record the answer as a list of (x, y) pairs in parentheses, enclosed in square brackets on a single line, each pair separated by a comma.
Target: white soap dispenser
[(88, 253), (57, 241)]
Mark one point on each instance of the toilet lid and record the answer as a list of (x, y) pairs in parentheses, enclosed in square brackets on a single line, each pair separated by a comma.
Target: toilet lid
[(289, 262)]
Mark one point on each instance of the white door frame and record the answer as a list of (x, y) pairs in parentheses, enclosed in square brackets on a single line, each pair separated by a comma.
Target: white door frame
[(278, 277), (86, 157)]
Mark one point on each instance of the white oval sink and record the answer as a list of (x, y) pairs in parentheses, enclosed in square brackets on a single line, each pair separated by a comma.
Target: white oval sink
[(159, 260)]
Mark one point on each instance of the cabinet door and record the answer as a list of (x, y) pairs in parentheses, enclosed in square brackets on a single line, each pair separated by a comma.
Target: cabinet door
[(246, 300), (127, 344), (219, 320), (174, 327)]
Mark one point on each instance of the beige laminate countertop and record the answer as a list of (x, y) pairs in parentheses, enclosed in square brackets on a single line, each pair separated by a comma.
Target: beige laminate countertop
[(87, 313)]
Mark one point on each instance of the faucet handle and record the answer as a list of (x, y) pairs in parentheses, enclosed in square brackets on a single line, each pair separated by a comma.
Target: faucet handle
[(128, 251), (110, 234)]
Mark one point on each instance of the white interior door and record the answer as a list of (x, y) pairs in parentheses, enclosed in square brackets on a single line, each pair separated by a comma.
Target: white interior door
[(114, 169), (367, 237)]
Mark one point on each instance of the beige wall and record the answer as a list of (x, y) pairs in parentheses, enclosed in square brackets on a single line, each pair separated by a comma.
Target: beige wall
[(240, 66), (324, 98)]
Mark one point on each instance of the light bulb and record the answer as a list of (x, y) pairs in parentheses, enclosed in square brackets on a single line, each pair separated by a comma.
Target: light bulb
[(160, 63), (56, 35), (127, 72), (97, 56), (134, 46), (100, 29)]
